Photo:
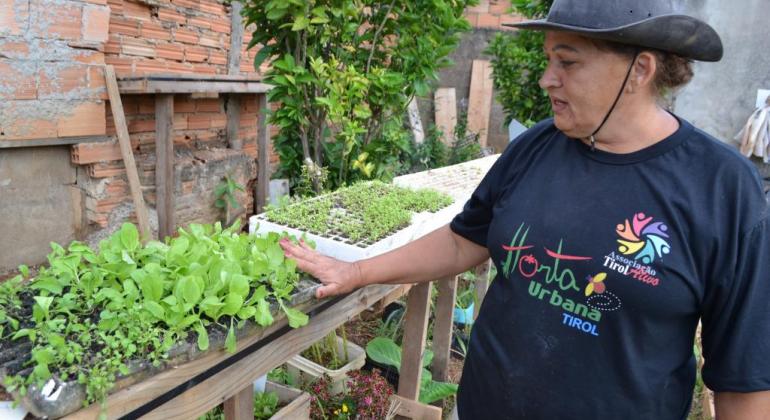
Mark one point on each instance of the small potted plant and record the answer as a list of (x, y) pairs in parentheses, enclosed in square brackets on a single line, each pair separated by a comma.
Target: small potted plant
[(334, 357), (365, 395), (276, 402)]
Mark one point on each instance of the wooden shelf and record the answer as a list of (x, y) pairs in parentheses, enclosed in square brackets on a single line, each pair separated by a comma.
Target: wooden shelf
[(183, 83)]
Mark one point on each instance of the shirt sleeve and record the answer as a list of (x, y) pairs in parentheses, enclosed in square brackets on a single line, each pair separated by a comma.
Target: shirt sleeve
[(473, 222), (736, 323)]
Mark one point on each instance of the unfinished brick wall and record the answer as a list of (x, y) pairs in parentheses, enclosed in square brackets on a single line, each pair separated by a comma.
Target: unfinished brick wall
[(172, 36), (199, 140), (492, 14), (52, 86), (51, 83)]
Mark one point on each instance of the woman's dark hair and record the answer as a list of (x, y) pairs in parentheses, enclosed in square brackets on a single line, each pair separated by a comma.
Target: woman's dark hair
[(673, 71)]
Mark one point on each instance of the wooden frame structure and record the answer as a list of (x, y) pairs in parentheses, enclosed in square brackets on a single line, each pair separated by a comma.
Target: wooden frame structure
[(165, 87)]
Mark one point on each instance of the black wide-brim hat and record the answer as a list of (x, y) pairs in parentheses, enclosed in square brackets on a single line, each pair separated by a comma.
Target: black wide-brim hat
[(645, 23)]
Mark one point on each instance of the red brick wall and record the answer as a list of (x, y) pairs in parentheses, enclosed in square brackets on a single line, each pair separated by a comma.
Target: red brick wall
[(172, 36), (51, 84), (492, 14)]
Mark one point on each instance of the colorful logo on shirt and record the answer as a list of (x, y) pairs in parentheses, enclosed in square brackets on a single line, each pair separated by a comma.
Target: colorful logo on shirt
[(550, 274), (643, 238)]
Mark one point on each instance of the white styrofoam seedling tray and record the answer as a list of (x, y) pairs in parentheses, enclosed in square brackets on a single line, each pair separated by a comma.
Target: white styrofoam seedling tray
[(457, 181)]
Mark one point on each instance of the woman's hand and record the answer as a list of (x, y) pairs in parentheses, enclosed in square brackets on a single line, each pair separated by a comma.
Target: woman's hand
[(338, 277)]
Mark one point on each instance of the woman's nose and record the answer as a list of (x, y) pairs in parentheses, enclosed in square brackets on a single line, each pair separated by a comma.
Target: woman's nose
[(549, 79)]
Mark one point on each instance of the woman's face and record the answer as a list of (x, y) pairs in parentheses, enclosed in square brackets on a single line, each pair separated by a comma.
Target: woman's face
[(582, 82)]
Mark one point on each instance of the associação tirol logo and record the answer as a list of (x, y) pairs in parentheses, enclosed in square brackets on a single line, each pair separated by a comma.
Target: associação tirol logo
[(641, 241)]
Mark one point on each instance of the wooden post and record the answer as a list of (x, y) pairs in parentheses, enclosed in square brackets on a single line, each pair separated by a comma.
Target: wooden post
[(233, 103), (482, 284), (445, 103), (236, 39), (415, 332), (442, 327), (116, 104), (480, 100), (241, 405), (263, 150), (164, 164), (415, 122)]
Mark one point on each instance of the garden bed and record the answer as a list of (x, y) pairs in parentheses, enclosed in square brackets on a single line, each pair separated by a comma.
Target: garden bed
[(68, 341)]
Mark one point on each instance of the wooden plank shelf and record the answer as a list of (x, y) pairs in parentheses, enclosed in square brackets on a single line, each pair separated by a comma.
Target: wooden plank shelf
[(179, 83), (200, 389)]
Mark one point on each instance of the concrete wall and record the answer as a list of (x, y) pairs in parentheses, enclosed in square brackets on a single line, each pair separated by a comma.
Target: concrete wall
[(38, 204), (459, 77), (721, 97)]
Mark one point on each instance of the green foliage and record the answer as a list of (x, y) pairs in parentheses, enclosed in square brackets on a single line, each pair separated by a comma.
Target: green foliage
[(366, 211), (518, 63), (385, 351), (325, 352), (344, 71), (225, 193), (93, 312), (265, 406)]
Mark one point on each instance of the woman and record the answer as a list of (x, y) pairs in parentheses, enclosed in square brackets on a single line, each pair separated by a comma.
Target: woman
[(615, 227)]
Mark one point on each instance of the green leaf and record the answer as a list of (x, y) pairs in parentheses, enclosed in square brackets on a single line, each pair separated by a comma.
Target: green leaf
[(24, 270), (129, 236), (155, 309), (263, 316), (203, 337), (296, 318), (433, 391), (385, 351), (239, 284), (230, 340), (233, 303), (300, 23), (189, 290), (247, 312)]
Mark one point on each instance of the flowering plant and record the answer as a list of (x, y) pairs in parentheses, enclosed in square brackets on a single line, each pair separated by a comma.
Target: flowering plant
[(367, 396)]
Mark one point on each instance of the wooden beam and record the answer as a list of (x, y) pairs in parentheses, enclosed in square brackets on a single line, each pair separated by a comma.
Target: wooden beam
[(233, 107), (116, 105), (392, 297), (190, 86), (445, 103), (481, 285), (236, 39), (480, 100), (206, 395), (263, 150), (164, 165), (442, 327), (233, 104), (62, 141), (241, 405), (415, 410), (415, 332), (415, 122)]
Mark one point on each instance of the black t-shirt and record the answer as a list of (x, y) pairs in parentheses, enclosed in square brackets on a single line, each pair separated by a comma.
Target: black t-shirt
[(605, 264)]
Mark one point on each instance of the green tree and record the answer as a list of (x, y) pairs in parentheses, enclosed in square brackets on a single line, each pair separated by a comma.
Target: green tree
[(517, 64), (344, 71)]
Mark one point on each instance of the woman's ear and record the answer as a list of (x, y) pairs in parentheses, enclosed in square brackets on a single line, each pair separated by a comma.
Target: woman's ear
[(644, 72)]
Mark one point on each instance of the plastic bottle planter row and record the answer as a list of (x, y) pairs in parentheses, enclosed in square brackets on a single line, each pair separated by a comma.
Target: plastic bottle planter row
[(58, 398), (331, 242)]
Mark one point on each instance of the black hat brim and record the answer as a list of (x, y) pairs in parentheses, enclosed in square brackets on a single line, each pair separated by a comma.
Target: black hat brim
[(679, 34)]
